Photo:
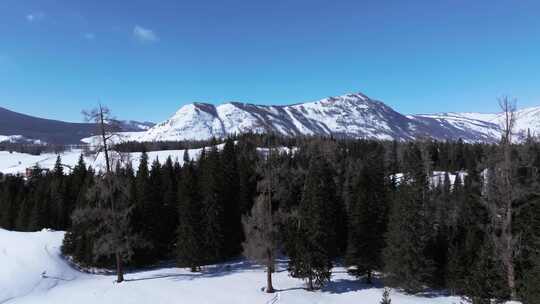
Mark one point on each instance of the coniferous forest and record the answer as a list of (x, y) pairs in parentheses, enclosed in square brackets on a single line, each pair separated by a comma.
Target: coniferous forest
[(471, 228)]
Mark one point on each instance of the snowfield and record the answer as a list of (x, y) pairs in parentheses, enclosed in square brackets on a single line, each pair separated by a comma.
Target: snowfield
[(33, 271), (16, 163)]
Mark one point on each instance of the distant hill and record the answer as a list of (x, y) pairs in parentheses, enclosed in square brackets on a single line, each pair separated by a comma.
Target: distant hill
[(17, 126)]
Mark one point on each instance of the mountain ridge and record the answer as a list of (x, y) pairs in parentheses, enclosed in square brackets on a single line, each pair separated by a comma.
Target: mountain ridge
[(22, 128), (353, 115)]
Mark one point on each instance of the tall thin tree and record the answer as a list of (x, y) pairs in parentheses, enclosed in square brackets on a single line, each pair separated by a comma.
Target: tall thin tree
[(260, 226), (107, 127)]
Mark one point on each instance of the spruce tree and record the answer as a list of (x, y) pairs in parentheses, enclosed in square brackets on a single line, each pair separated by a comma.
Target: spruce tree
[(531, 287), (368, 218), (190, 232), (314, 231), (233, 225), (143, 209), (211, 190), (485, 280), (169, 208), (60, 216), (406, 263), (154, 212)]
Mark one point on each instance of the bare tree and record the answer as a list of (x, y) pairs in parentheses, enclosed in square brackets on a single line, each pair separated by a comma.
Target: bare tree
[(261, 227), (107, 129), (501, 196), (109, 194)]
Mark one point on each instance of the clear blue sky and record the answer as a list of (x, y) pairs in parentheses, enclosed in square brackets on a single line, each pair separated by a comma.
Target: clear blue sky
[(147, 58)]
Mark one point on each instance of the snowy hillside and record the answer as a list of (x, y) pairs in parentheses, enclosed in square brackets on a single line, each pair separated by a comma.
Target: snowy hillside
[(32, 271), (13, 163), (488, 124), (351, 115)]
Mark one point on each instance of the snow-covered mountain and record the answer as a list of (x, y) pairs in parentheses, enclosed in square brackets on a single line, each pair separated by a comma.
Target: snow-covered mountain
[(351, 115), (527, 121)]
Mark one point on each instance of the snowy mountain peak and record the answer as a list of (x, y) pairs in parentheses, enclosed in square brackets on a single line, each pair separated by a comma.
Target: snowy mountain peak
[(352, 115)]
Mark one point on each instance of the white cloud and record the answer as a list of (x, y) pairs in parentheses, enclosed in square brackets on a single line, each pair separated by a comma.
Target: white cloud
[(144, 35), (36, 16), (89, 36)]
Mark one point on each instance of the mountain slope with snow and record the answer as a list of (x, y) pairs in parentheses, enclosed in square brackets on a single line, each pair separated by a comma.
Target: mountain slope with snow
[(351, 115), (488, 124)]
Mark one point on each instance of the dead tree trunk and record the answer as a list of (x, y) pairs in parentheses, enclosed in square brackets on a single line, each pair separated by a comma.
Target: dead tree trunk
[(269, 270), (502, 212), (119, 268), (104, 138), (310, 283), (261, 227)]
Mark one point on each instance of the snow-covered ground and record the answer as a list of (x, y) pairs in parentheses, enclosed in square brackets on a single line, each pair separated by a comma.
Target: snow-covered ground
[(14, 163), (438, 177), (18, 139), (10, 138), (32, 271)]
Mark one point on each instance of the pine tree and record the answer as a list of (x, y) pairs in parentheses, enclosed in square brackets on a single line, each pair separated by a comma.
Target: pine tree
[(247, 181), (153, 212), (467, 235), (142, 218), (314, 231), (76, 187), (107, 220), (169, 208), (485, 281), (211, 189), (186, 159), (190, 232), (58, 189), (406, 263), (531, 288), (233, 225), (368, 218)]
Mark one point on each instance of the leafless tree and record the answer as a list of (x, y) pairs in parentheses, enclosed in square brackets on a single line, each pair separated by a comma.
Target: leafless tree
[(501, 196), (107, 131), (109, 194), (261, 226)]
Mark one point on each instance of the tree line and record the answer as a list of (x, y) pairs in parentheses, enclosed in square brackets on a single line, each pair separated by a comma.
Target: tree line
[(371, 205)]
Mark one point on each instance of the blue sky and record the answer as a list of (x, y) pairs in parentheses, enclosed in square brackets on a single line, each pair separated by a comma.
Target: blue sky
[(147, 58)]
